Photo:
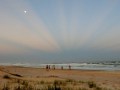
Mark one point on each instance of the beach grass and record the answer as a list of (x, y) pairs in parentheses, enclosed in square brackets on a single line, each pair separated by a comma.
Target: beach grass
[(42, 79), (67, 84)]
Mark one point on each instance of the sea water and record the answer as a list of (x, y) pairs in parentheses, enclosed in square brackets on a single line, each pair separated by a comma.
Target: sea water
[(78, 66)]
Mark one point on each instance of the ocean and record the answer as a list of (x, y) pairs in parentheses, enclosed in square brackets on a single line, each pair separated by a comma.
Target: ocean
[(78, 66)]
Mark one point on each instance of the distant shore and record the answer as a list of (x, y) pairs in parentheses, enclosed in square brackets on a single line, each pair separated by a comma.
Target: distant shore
[(107, 79)]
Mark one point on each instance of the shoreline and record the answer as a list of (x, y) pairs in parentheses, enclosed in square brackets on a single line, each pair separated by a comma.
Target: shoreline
[(37, 67)]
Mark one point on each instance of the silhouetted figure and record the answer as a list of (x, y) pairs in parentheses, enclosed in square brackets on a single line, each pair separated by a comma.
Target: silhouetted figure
[(69, 67), (46, 67), (62, 67), (53, 67)]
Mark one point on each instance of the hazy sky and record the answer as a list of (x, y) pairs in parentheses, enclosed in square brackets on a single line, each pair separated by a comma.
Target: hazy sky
[(51, 31)]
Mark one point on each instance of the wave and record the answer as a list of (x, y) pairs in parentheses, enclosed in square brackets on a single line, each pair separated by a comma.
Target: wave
[(83, 66)]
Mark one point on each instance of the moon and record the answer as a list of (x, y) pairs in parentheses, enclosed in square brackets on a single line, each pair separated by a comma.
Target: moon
[(25, 11)]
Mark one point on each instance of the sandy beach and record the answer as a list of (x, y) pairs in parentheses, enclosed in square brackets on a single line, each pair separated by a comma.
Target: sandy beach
[(105, 80)]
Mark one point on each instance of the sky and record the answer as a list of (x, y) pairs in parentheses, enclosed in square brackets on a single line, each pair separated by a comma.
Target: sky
[(58, 31)]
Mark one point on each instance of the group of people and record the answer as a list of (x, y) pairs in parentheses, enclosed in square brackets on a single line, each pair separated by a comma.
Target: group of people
[(48, 67)]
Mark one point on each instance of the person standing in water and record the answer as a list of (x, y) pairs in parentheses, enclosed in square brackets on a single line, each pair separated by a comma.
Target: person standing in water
[(69, 67), (46, 67), (61, 67), (53, 67)]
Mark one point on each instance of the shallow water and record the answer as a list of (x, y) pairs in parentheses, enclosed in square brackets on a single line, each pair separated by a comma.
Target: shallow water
[(83, 66)]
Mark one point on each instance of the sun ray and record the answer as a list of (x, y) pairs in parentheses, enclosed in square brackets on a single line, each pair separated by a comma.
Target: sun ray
[(96, 24), (108, 40), (39, 37), (63, 25)]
